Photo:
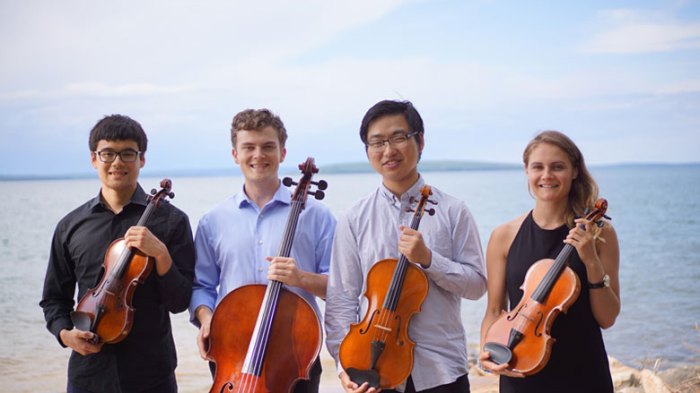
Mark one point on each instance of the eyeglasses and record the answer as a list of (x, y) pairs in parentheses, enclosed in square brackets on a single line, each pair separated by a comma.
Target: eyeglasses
[(128, 155), (397, 140)]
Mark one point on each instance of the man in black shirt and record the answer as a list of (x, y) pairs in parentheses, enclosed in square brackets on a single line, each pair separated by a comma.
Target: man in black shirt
[(145, 360)]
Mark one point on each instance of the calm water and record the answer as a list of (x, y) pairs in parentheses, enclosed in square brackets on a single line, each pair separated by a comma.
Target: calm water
[(655, 211)]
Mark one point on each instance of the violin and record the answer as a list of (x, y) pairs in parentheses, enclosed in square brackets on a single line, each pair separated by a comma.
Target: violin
[(378, 350), (106, 310), (263, 338), (521, 338)]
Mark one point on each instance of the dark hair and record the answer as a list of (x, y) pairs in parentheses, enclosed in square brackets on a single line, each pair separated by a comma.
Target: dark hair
[(584, 190), (118, 128), (388, 108), (256, 120)]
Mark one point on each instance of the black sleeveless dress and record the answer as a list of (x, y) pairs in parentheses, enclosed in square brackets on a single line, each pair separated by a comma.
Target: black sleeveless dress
[(578, 362)]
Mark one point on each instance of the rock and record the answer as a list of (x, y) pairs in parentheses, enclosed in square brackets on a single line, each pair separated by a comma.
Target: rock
[(652, 383), (682, 379)]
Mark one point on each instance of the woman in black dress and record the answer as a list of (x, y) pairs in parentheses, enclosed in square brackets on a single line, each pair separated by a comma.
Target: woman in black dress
[(562, 188)]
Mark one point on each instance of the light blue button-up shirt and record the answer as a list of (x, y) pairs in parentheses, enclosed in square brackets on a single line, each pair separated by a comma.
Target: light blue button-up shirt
[(368, 233), (234, 238)]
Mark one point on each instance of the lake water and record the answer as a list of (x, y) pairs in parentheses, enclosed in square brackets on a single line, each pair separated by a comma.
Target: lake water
[(655, 210)]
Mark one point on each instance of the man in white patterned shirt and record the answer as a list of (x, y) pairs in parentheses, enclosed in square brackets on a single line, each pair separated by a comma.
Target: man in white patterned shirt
[(446, 246)]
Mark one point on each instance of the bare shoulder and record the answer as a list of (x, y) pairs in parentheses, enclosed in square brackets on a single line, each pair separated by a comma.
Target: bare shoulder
[(502, 237)]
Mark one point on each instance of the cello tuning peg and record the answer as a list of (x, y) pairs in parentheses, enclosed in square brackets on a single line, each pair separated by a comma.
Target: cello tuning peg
[(321, 184), (318, 194), (430, 211), (287, 181)]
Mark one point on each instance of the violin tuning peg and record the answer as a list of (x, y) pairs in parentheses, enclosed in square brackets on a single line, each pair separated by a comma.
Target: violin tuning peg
[(318, 194), (430, 212), (171, 195), (153, 191), (600, 224), (410, 210), (607, 217), (321, 184), (287, 181), (432, 202)]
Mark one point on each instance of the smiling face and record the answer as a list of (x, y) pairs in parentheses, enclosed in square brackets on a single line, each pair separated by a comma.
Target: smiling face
[(550, 173), (397, 163), (118, 177), (259, 154)]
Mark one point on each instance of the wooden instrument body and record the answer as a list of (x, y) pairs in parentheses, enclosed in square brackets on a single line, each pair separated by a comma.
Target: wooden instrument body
[(533, 319), (294, 343), (110, 301), (395, 364)]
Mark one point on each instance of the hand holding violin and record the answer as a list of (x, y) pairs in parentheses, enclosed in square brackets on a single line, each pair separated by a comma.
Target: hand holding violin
[(80, 341), (412, 245), (142, 239), (351, 387)]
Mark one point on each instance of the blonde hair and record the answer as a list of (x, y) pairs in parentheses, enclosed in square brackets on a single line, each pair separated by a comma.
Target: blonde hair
[(584, 189)]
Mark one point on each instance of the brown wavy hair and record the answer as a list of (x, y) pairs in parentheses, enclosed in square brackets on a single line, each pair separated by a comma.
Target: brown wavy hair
[(584, 189), (256, 120)]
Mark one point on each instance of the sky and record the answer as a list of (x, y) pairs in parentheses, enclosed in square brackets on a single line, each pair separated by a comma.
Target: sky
[(621, 78)]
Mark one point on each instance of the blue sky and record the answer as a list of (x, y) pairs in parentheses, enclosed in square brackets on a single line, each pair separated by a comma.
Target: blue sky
[(620, 77)]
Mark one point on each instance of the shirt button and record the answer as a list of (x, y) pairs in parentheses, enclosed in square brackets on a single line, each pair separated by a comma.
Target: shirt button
[(260, 242)]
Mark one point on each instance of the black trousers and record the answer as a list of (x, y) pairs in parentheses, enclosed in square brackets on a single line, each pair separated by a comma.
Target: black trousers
[(303, 385), (461, 385), (168, 386)]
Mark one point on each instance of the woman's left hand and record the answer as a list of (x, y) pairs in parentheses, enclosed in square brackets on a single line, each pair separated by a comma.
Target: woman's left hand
[(581, 237)]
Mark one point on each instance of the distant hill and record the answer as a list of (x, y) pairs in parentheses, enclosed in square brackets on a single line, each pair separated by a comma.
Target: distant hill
[(425, 166), (351, 167)]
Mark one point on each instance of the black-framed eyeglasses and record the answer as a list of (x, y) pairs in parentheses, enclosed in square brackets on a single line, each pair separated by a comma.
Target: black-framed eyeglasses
[(396, 140), (109, 155)]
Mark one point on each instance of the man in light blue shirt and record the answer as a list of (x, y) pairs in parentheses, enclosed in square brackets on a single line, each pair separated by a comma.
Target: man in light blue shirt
[(446, 247), (237, 241)]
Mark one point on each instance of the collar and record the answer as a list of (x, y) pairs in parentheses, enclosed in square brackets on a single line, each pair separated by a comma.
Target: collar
[(139, 197), (282, 195), (414, 190)]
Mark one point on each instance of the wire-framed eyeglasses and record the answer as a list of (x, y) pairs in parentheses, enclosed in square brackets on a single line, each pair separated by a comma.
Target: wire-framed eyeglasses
[(396, 140)]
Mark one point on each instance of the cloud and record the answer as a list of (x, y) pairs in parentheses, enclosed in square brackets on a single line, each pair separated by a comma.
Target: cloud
[(632, 32)]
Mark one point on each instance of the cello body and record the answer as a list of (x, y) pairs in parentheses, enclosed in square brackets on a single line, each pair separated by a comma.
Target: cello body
[(263, 338), (295, 341), (395, 368)]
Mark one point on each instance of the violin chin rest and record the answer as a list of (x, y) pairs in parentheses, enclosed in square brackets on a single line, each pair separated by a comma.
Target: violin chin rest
[(81, 320), (500, 354), (362, 376)]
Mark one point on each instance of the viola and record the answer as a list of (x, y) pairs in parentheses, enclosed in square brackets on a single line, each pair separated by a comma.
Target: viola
[(106, 310), (521, 338), (378, 350), (263, 338)]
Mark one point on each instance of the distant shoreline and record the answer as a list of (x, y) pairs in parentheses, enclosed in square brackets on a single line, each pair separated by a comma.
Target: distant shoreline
[(342, 168)]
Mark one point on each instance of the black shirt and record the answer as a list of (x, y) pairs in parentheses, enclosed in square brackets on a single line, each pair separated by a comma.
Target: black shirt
[(146, 357)]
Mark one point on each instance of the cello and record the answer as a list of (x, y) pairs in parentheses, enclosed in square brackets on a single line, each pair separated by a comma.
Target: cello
[(106, 310), (378, 350), (521, 338), (265, 337)]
